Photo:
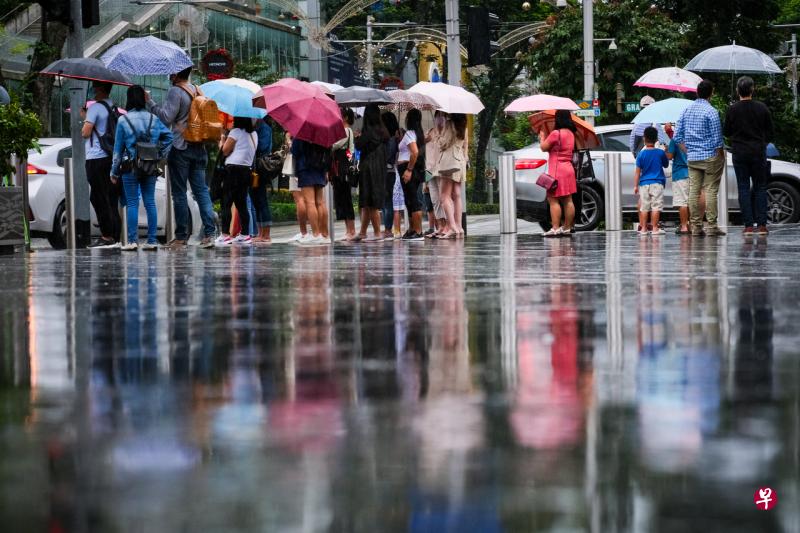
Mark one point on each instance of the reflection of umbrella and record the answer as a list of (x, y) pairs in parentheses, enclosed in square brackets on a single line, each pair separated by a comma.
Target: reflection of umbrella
[(585, 137), (85, 68), (406, 100), (671, 79), (239, 82), (359, 96), (734, 59), (663, 111), (302, 109), (451, 99), (146, 56), (233, 100), (540, 102)]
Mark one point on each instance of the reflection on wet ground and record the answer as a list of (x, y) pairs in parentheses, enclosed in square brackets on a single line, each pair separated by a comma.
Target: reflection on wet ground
[(605, 383)]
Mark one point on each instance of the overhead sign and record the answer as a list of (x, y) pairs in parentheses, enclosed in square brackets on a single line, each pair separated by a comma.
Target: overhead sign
[(631, 107), (340, 65), (391, 83), (591, 112)]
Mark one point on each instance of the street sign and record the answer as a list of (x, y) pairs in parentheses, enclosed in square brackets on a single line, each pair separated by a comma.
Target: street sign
[(584, 104), (591, 112), (631, 107)]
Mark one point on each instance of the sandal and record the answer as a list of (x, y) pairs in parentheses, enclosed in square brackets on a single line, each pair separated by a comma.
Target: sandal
[(447, 236), (551, 233)]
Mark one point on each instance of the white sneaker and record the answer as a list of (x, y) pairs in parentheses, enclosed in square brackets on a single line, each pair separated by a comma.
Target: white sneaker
[(130, 247), (243, 239), (297, 237), (149, 246), (223, 240), (306, 239), (324, 240)]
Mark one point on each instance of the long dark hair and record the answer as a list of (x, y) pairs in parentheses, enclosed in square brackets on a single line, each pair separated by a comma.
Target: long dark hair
[(460, 124), (372, 116), (390, 121), (564, 121), (136, 98), (414, 123), (243, 123)]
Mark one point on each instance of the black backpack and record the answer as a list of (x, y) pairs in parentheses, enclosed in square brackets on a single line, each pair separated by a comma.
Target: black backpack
[(145, 162), (317, 157), (106, 140)]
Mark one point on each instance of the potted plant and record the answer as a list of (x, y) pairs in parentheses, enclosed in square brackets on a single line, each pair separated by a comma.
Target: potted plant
[(19, 133)]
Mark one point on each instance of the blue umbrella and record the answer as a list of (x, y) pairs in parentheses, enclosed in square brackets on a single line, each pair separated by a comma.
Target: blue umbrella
[(146, 56), (233, 100), (663, 111)]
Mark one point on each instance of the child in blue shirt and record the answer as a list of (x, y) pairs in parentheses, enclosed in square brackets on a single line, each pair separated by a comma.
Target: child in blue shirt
[(649, 181), (680, 182)]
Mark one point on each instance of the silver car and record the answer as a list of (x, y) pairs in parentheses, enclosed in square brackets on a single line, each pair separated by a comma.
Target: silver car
[(783, 189), (46, 196)]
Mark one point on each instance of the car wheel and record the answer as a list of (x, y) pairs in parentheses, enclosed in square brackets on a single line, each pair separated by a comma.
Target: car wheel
[(783, 203), (591, 210), (58, 237)]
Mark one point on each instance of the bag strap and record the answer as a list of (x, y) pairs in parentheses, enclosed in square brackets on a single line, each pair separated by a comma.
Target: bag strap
[(187, 91), (94, 126), (135, 133)]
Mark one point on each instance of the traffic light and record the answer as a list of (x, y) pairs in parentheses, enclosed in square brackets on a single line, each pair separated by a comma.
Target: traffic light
[(480, 26), (90, 10)]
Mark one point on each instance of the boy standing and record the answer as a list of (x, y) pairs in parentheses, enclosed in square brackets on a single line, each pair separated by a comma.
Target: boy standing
[(680, 182), (649, 182)]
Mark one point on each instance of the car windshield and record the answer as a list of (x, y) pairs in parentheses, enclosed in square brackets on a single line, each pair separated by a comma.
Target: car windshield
[(616, 141)]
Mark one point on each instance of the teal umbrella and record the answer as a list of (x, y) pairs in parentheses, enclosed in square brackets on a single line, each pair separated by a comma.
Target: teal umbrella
[(233, 100), (663, 111)]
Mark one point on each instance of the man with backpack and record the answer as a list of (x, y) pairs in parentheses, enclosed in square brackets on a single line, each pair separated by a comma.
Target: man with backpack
[(98, 131), (193, 121)]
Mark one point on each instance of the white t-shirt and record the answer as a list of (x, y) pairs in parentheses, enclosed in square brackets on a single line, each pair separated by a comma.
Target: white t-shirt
[(97, 115), (404, 155), (244, 151)]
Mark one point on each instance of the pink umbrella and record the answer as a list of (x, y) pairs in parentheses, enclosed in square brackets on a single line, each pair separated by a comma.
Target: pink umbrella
[(671, 79), (540, 102), (303, 109)]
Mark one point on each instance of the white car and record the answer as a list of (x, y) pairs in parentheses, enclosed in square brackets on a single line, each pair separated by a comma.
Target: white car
[(783, 189), (46, 196)]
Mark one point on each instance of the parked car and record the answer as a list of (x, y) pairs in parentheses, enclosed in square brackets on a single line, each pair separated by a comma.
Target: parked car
[(783, 189), (46, 196)]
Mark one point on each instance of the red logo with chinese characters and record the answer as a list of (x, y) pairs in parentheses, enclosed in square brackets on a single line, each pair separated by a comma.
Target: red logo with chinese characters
[(765, 498)]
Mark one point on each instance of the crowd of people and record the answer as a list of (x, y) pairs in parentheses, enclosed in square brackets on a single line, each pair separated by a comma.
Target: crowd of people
[(395, 170)]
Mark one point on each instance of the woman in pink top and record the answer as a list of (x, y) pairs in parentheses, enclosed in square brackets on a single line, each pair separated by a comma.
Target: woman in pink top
[(560, 144)]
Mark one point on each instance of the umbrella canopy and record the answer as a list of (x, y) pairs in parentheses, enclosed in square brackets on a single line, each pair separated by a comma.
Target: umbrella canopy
[(146, 56), (360, 96), (4, 98), (663, 111), (540, 102), (85, 68), (329, 88), (239, 82), (585, 137), (734, 59), (406, 100), (233, 100), (451, 99), (304, 110), (671, 79)]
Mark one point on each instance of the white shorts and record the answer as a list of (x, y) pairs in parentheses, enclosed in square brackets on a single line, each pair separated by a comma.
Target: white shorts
[(293, 186), (651, 197), (680, 193)]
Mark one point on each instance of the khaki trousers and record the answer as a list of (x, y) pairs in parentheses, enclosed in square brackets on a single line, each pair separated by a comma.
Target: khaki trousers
[(704, 176)]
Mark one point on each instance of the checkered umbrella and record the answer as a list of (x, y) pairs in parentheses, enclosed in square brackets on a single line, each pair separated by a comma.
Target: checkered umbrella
[(405, 101)]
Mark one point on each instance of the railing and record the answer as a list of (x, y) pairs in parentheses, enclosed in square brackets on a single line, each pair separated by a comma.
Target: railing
[(21, 18)]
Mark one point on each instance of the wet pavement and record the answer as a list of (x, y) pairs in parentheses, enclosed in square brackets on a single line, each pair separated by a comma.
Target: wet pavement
[(601, 383)]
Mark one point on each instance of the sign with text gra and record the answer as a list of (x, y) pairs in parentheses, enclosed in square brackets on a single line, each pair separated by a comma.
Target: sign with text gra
[(631, 107)]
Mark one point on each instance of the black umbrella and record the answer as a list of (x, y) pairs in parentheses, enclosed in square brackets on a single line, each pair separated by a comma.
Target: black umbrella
[(85, 68)]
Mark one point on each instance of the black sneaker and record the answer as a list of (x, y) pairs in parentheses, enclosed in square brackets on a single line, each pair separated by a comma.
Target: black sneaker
[(102, 243), (407, 235), (413, 236)]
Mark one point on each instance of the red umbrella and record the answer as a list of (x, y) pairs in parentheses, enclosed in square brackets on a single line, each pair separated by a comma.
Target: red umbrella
[(302, 109), (585, 137)]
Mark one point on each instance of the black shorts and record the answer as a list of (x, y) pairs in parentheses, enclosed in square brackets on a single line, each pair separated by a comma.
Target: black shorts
[(410, 189)]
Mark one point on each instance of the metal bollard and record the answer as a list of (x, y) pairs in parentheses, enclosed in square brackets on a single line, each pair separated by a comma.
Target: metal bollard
[(69, 202), (169, 222), (613, 191), (722, 201), (123, 215), (508, 194), (331, 211)]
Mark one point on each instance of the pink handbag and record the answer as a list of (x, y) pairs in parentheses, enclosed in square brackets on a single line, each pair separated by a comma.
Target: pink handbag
[(545, 180)]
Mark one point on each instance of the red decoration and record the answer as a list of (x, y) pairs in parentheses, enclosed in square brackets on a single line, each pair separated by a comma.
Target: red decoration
[(217, 64)]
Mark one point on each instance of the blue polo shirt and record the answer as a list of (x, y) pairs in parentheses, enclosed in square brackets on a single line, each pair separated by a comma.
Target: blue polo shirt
[(652, 161), (680, 167)]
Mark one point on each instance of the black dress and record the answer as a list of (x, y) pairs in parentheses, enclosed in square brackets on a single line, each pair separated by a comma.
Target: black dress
[(372, 166)]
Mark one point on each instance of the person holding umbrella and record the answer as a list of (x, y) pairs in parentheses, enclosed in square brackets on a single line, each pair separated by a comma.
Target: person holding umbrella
[(560, 144), (372, 166), (312, 163), (187, 161)]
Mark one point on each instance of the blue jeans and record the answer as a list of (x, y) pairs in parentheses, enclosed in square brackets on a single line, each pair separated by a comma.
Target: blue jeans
[(189, 166), (131, 187), (388, 205), (261, 215), (752, 201)]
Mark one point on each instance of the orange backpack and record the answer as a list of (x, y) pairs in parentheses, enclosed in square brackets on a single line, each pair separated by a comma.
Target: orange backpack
[(202, 124)]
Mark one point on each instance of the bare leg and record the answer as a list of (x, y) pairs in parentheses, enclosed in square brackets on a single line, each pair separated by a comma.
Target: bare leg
[(684, 214), (416, 221), (643, 219), (322, 211), (302, 216), (446, 198), (311, 209), (375, 215), (555, 212), (364, 223), (350, 226), (458, 207), (397, 221), (654, 218), (569, 213)]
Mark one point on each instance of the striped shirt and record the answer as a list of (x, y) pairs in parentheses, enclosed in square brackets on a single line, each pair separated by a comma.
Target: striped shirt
[(700, 129)]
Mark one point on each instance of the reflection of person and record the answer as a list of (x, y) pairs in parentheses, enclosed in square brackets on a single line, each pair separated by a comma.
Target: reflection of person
[(748, 124), (649, 181), (560, 144), (104, 195), (136, 125), (239, 148), (680, 181), (699, 132)]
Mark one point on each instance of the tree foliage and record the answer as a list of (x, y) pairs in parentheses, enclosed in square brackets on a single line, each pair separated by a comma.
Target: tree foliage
[(19, 132)]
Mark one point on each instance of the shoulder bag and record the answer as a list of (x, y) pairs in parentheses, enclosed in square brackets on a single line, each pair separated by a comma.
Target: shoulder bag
[(545, 180)]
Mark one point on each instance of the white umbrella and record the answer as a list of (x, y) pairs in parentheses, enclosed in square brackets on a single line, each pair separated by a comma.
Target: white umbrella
[(734, 59), (670, 79), (239, 82), (329, 88), (451, 99), (356, 96)]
